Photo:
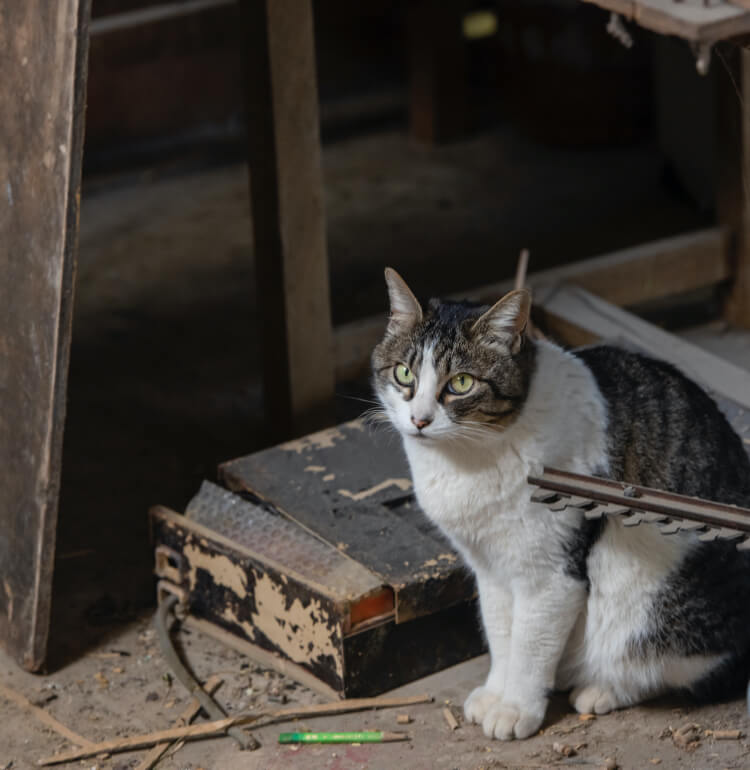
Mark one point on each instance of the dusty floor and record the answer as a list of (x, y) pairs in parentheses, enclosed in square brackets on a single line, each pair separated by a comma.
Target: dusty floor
[(123, 687), (164, 385)]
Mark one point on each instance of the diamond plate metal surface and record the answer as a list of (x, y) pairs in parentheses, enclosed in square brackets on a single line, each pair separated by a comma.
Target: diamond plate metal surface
[(273, 537)]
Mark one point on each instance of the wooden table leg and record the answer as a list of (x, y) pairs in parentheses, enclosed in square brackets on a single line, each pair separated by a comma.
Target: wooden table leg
[(44, 49), (437, 70), (286, 189), (733, 171)]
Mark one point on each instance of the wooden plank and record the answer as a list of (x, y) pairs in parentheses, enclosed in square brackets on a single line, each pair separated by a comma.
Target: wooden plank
[(687, 20), (578, 317), (437, 70), (286, 190), (115, 22), (733, 173), (650, 271), (44, 53)]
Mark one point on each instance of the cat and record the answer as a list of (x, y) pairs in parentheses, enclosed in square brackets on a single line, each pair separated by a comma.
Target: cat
[(615, 615)]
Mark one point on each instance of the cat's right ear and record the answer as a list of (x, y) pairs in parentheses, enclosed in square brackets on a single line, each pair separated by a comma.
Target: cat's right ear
[(406, 312)]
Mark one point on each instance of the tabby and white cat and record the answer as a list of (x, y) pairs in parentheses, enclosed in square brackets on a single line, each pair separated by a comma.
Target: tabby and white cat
[(615, 614)]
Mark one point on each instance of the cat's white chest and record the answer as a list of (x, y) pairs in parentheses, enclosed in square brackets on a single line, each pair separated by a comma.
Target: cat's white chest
[(474, 502)]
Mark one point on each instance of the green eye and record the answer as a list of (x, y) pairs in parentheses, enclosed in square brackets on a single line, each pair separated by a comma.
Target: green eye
[(461, 383), (403, 375)]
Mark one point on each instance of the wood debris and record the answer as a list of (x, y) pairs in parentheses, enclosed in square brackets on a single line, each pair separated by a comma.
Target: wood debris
[(687, 737), (188, 715), (43, 716), (219, 727), (403, 719), (450, 718), (103, 681), (564, 749), (725, 735)]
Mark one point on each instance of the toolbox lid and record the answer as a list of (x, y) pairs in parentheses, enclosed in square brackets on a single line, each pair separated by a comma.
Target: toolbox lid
[(350, 486)]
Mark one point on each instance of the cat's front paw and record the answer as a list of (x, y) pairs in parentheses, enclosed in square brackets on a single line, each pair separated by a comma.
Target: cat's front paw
[(479, 702), (507, 721)]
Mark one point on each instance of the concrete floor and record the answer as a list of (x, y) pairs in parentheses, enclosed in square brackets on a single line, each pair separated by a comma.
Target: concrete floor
[(164, 385)]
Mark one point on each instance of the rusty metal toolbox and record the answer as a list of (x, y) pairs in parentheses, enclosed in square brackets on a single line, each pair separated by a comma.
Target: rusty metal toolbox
[(314, 557)]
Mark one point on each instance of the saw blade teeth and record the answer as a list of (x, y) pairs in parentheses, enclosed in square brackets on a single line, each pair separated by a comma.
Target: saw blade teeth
[(618, 510), (558, 505), (579, 502), (744, 545), (654, 518), (670, 529), (543, 495), (709, 535), (691, 526), (633, 520), (595, 513), (729, 534)]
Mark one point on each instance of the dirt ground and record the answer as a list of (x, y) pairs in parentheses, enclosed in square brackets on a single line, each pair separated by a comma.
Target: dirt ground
[(124, 687), (164, 385)]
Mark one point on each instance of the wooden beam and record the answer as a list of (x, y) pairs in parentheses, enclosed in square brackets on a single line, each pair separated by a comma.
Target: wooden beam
[(437, 70), (650, 271), (733, 173), (690, 21), (286, 190), (44, 53), (577, 317), (115, 22)]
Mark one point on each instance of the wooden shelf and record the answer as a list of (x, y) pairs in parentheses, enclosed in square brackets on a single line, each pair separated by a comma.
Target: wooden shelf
[(692, 22)]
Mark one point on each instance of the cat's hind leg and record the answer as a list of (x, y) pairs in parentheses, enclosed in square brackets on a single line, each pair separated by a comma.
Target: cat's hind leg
[(593, 699)]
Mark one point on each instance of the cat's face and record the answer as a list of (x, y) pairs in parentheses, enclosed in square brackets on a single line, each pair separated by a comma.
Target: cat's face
[(453, 371)]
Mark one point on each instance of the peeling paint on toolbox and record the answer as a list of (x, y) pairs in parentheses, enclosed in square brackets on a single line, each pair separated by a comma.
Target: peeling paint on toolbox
[(254, 602)]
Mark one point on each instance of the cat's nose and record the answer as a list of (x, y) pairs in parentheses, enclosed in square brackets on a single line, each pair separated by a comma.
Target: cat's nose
[(423, 423)]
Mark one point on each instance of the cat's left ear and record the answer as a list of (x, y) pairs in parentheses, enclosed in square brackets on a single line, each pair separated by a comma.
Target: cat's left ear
[(506, 320)]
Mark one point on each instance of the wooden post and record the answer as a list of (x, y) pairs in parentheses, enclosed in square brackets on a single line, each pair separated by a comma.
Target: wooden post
[(733, 172), (43, 50), (286, 190), (437, 70)]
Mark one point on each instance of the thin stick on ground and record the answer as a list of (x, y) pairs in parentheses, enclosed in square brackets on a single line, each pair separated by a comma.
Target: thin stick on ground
[(219, 727), (43, 716), (188, 715)]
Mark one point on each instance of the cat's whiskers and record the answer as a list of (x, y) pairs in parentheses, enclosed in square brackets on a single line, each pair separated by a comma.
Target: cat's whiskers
[(373, 401)]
